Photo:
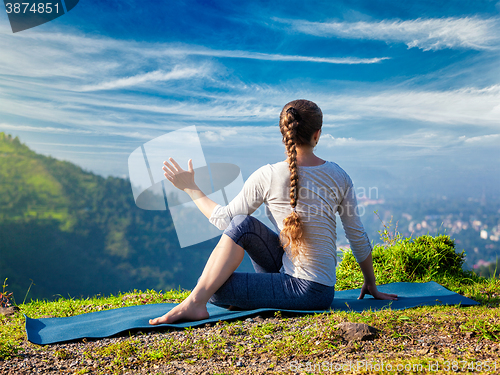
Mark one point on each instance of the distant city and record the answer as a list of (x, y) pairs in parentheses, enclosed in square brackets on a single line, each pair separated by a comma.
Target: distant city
[(473, 223)]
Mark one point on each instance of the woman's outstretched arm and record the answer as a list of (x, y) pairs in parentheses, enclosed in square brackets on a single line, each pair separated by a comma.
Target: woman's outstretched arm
[(184, 180), (360, 244), (370, 286)]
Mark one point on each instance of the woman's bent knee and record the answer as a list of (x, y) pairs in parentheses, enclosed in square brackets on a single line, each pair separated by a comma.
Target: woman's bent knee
[(240, 224), (240, 220)]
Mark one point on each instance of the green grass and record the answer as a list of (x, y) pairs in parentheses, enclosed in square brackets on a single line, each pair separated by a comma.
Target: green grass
[(310, 337), (313, 336), (420, 260), (12, 332)]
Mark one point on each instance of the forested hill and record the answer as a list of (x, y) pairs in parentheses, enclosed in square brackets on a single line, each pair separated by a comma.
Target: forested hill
[(76, 233)]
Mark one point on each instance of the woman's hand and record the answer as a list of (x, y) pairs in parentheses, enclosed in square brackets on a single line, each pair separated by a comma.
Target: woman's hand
[(369, 286), (372, 290), (180, 178), (184, 180)]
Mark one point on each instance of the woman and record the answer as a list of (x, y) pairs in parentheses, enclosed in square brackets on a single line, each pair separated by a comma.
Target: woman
[(296, 269)]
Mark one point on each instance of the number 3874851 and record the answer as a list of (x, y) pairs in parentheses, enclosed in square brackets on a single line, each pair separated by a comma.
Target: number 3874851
[(32, 7)]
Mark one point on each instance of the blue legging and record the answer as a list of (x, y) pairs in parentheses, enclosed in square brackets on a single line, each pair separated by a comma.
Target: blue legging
[(267, 287)]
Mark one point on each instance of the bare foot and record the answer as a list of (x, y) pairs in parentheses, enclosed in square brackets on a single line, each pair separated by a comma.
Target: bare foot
[(187, 310)]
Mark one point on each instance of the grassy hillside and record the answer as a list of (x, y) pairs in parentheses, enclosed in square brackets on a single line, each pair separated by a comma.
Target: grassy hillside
[(417, 340), (74, 233), (27, 189)]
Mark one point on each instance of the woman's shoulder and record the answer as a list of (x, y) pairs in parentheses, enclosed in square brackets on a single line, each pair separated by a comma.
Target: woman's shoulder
[(329, 170), (334, 166), (268, 169), (279, 165), (338, 169), (265, 172), (264, 176), (327, 165)]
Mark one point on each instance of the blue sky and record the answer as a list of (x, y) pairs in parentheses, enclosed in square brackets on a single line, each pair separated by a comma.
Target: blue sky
[(410, 91)]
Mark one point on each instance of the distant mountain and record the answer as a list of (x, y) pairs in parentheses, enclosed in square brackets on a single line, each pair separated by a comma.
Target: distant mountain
[(76, 233)]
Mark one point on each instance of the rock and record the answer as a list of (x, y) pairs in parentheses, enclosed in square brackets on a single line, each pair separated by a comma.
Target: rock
[(350, 348), (356, 331), (8, 311)]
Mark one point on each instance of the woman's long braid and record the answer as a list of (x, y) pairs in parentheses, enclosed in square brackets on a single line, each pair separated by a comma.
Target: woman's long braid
[(292, 162), (292, 226)]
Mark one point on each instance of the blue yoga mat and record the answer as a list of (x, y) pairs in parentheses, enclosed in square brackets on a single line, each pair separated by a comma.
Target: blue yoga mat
[(111, 322)]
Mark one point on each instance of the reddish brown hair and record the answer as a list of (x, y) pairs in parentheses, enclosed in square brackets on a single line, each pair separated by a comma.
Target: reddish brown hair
[(299, 120)]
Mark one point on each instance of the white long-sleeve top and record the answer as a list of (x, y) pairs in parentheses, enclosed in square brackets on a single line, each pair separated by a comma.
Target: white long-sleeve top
[(323, 191)]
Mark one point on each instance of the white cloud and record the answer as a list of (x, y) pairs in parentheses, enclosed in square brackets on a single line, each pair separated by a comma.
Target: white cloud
[(412, 144), (70, 79), (270, 57), (95, 153), (78, 145), (236, 136), (426, 34), (55, 44), (114, 63), (151, 77), (222, 109), (330, 119), (218, 135), (33, 92), (212, 136), (471, 106), (74, 131), (43, 129), (484, 139), (329, 140)]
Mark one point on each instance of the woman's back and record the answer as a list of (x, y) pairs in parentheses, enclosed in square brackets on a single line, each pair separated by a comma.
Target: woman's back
[(323, 191)]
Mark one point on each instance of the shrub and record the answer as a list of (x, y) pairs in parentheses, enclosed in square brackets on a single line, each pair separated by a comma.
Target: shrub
[(421, 259)]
